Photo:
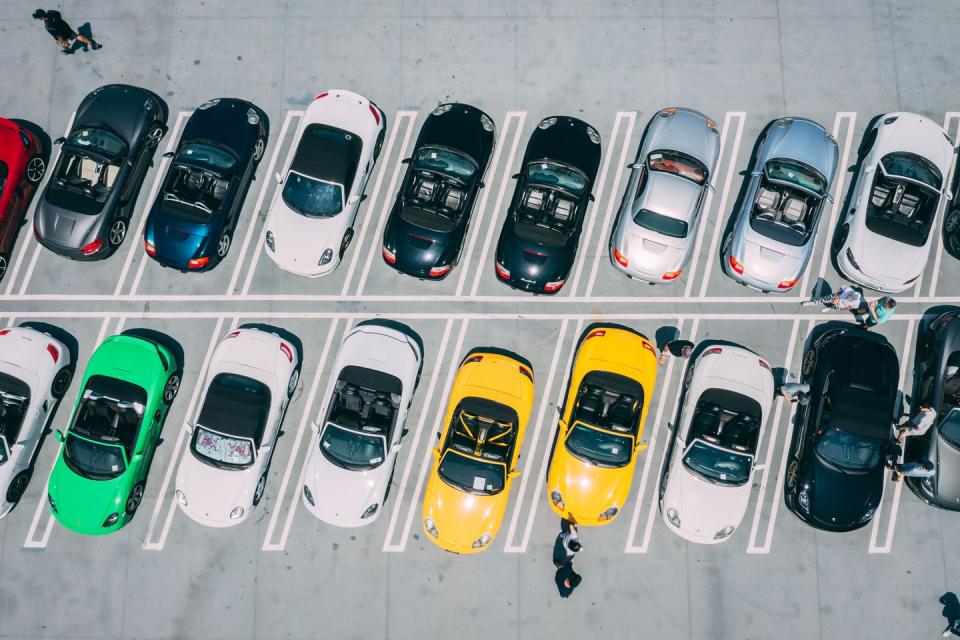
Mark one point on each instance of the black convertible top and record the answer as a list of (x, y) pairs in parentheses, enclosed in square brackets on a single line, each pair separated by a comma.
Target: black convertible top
[(371, 379), (117, 389), (860, 412), (427, 219), (488, 409), (236, 406), (329, 154), (613, 382), (731, 401)]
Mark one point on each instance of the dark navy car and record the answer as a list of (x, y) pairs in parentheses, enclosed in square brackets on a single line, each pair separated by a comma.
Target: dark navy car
[(843, 436), (429, 220), (538, 241), (192, 221)]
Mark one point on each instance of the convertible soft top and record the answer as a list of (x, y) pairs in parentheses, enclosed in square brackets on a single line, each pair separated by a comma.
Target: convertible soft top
[(329, 154)]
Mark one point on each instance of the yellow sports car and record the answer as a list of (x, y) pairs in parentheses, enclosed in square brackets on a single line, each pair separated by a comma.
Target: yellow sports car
[(601, 425), (474, 461)]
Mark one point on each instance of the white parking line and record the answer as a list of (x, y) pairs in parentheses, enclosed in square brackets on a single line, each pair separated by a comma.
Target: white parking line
[(650, 461), (413, 447), (467, 254), (905, 361), (938, 243), (136, 242), (25, 243), (548, 394), (31, 542), (176, 454), (708, 201), (375, 246), (826, 231), (722, 208), (591, 213), (382, 171), (267, 182), (772, 429), (431, 439)]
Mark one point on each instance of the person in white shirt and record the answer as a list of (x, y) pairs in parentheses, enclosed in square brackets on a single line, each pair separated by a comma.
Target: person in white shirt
[(846, 299), (917, 425)]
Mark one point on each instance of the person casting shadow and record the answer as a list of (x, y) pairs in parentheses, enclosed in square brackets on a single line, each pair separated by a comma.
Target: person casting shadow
[(951, 611)]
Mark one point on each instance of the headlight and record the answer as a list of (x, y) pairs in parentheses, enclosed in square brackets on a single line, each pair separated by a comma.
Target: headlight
[(442, 109), (593, 135), (557, 499), (724, 533), (270, 241), (482, 541), (111, 519), (486, 122), (609, 513), (431, 527), (803, 498), (546, 123), (852, 261), (308, 495), (673, 517), (53, 505), (236, 513), (372, 509), (252, 116), (326, 257), (209, 103), (868, 514), (181, 497)]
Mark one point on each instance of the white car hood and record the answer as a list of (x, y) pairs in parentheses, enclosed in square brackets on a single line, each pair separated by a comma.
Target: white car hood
[(341, 495), (301, 240), (704, 508), (213, 493)]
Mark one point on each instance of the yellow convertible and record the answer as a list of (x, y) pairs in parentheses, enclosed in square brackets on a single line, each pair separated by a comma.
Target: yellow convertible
[(475, 459), (601, 425)]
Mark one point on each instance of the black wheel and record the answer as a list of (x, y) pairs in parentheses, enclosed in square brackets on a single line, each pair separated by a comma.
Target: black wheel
[(347, 237), (4, 262), (258, 150), (171, 388), (925, 348), (61, 382), (379, 145), (294, 379), (663, 484), (136, 496), (726, 245), (154, 137), (118, 231), (952, 223), (223, 245), (258, 492), (17, 486), (36, 167), (841, 238), (792, 474), (688, 378), (809, 362)]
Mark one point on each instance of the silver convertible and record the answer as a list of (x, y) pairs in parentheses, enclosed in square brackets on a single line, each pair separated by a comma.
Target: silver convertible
[(773, 236)]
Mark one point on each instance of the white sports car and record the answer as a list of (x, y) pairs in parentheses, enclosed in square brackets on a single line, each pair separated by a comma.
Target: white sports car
[(710, 463), (310, 221), (35, 372), (250, 380), (886, 237), (350, 464)]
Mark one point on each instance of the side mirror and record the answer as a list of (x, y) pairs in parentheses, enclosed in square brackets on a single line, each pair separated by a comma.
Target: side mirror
[(405, 161), (643, 446), (436, 453), (58, 435), (759, 467), (829, 198), (264, 448), (138, 454), (868, 170), (948, 194), (514, 473), (395, 448), (187, 427), (562, 424), (756, 172), (315, 427), (711, 187), (279, 177), (635, 165), (353, 200), (60, 140), (168, 154)]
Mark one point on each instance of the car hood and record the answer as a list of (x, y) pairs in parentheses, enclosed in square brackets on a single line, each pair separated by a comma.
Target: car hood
[(341, 495), (461, 518), (64, 227), (704, 508), (588, 490), (82, 503), (459, 128), (686, 134), (124, 108), (838, 498), (301, 239), (212, 493)]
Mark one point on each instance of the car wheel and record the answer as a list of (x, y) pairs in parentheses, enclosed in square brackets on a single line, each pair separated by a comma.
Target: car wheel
[(925, 347), (171, 388), (258, 492), (136, 496), (154, 137), (36, 167), (809, 362), (379, 145), (61, 382), (663, 484), (688, 378), (4, 261), (292, 385), (841, 238), (223, 245), (17, 486), (347, 237), (952, 222), (258, 150), (792, 474), (726, 245), (118, 231)]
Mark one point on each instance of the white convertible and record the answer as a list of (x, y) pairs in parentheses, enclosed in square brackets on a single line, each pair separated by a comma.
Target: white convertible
[(251, 377), (727, 398), (35, 372), (350, 464), (310, 222)]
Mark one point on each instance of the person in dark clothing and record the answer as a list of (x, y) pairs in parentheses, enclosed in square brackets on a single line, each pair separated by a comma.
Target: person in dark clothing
[(676, 348), (566, 545), (951, 611), (567, 580), (57, 27)]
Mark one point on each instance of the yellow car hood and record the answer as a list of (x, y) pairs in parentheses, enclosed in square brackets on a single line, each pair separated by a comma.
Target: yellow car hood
[(588, 490), (460, 517)]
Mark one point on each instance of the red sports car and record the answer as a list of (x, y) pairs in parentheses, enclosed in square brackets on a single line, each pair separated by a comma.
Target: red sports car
[(21, 169)]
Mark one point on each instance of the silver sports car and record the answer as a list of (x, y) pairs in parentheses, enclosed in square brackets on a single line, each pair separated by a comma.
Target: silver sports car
[(657, 223), (773, 236)]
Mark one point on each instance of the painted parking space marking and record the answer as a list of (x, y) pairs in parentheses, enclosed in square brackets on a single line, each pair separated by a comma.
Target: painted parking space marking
[(938, 220)]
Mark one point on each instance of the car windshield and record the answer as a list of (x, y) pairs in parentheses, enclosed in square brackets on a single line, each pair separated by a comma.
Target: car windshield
[(110, 411), (552, 174), (661, 224), (222, 450), (98, 141), (912, 167), (444, 161), (352, 449), (311, 197), (678, 164), (206, 155), (472, 474), (950, 428), (93, 460), (848, 451), (717, 465), (796, 174), (598, 447)]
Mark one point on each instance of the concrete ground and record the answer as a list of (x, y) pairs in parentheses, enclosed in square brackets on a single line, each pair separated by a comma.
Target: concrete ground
[(286, 575)]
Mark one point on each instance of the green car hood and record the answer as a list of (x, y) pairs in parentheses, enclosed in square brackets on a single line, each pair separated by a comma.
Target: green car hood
[(84, 504)]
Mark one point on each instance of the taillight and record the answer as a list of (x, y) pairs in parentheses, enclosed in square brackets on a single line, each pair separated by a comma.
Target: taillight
[(93, 247), (196, 263), (151, 250), (286, 351), (439, 271), (4, 332), (473, 359), (620, 258), (376, 114), (550, 287), (786, 284), (711, 351), (649, 347), (322, 95), (502, 271), (526, 372), (596, 333), (765, 365), (54, 353), (389, 256), (736, 265), (36, 234), (672, 275), (232, 334)]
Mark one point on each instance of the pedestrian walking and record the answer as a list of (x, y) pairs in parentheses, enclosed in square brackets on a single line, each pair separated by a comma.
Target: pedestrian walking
[(567, 543), (567, 580), (57, 27), (678, 348), (951, 611), (921, 469), (917, 425), (795, 392), (877, 312), (847, 298)]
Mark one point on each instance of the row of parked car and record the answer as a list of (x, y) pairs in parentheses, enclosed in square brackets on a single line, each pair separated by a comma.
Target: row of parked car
[(834, 472), (883, 240)]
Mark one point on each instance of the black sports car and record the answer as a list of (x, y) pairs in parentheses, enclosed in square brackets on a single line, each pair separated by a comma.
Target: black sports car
[(938, 386), (951, 232), (87, 205), (539, 238), (192, 221), (430, 218), (843, 437)]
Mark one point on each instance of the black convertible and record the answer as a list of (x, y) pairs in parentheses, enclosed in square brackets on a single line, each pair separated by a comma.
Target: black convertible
[(843, 437), (87, 205), (429, 220), (539, 238)]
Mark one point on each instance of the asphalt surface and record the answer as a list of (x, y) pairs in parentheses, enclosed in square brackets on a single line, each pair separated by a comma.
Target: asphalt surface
[(286, 575)]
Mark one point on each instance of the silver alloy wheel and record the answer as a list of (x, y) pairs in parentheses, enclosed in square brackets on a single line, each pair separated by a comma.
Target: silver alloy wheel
[(953, 221), (154, 137), (118, 231), (35, 169), (171, 388), (792, 474), (3, 266), (292, 385), (258, 150), (258, 492), (18, 486), (223, 246), (136, 495), (61, 382)]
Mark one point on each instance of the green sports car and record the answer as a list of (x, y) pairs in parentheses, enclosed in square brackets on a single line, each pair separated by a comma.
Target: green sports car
[(97, 481)]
